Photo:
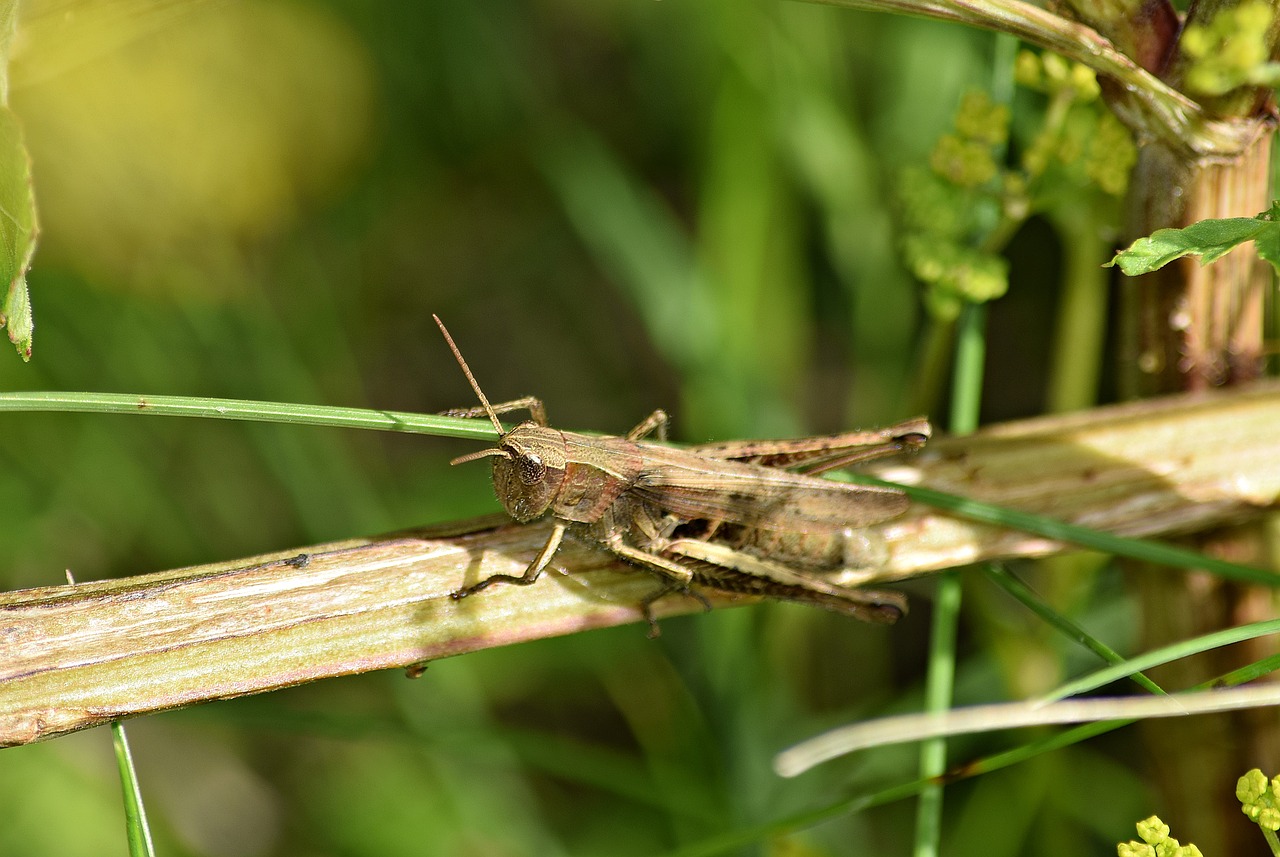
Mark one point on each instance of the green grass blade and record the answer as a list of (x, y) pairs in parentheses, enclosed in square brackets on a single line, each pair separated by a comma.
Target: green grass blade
[(985, 765), (940, 679), (135, 814), (1024, 594), (1164, 655), (243, 409)]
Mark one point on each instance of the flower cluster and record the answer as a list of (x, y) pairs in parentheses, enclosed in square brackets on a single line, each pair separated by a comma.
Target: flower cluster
[(1156, 842), (1230, 51), (1259, 799), (959, 211)]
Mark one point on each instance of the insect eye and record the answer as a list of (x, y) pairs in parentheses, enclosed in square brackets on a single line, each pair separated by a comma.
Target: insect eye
[(532, 470)]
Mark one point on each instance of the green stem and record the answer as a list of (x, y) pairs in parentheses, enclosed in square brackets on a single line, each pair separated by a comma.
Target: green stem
[(938, 690), (241, 409), (971, 352), (929, 373), (965, 407), (1081, 316), (135, 814)]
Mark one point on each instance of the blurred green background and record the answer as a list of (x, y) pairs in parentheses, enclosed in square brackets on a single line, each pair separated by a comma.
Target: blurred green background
[(616, 205)]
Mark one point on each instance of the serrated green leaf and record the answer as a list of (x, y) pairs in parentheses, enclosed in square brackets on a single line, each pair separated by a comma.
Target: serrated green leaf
[(1268, 245), (17, 205), (1208, 239)]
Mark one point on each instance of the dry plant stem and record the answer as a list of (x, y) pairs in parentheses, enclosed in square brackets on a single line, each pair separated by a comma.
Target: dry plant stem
[(80, 655), (1143, 29), (77, 656), (1158, 467), (1189, 326)]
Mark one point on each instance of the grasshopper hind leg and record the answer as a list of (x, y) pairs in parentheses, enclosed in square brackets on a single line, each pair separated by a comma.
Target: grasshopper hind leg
[(675, 573), (722, 567)]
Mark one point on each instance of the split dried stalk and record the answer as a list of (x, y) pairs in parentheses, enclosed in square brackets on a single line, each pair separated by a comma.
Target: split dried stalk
[(80, 655)]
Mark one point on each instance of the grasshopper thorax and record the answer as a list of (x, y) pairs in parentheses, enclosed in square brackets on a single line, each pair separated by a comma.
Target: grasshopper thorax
[(529, 470)]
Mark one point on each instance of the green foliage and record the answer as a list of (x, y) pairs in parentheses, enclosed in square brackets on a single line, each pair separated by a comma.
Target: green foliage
[(1156, 842), (959, 213), (1230, 51), (1110, 154), (1260, 799), (1208, 239), (1080, 138), (639, 205), (940, 208), (954, 273), (17, 205), (965, 162)]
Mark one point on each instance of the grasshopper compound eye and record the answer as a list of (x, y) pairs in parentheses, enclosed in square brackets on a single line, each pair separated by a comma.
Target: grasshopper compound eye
[(525, 485), (531, 469)]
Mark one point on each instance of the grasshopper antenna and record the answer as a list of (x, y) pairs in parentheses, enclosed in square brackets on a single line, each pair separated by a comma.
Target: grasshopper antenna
[(466, 370)]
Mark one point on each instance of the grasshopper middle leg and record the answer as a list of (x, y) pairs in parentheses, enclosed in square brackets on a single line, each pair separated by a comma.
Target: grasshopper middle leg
[(655, 422), (532, 404)]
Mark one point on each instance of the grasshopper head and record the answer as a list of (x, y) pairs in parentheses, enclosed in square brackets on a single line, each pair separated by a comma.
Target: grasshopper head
[(528, 470), (529, 463)]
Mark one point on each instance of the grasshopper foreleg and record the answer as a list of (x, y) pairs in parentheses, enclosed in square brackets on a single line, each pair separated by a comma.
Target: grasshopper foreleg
[(530, 574)]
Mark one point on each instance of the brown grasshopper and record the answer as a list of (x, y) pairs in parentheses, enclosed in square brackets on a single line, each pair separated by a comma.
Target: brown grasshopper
[(727, 516)]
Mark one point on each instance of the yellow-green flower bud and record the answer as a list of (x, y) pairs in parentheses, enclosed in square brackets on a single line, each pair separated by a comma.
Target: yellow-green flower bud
[(1251, 786), (1027, 70), (1056, 69), (1152, 830)]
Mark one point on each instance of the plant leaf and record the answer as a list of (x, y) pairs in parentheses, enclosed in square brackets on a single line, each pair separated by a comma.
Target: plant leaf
[(1208, 239), (17, 205)]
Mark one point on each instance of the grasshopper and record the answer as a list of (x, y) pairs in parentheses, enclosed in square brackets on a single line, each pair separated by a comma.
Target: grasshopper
[(728, 516)]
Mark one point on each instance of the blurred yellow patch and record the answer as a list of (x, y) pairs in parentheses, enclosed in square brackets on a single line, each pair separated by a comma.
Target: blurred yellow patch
[(172, 134)]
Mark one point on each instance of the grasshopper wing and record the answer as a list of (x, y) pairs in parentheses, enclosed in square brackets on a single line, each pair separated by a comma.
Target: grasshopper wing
[(827, 452), (692, 487)]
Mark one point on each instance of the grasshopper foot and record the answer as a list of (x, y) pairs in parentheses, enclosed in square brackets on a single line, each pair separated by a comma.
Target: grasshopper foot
[(531, 574), (646, 606), (459, 594)]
